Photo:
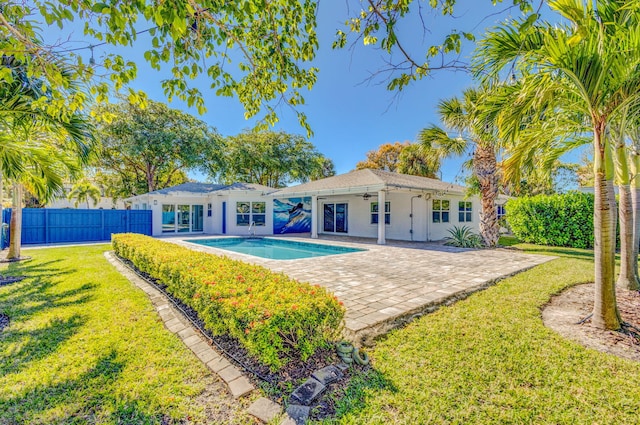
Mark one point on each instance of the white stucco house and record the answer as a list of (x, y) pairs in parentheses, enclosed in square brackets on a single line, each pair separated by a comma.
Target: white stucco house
[(415, 208)]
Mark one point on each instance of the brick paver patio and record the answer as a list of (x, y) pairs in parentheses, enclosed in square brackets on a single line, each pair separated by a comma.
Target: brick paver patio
[(386, 286)]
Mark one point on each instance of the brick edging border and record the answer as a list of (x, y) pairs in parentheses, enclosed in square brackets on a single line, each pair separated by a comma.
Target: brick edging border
[(238, 384)]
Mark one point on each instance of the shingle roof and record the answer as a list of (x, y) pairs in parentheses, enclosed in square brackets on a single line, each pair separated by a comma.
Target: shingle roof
[(204, 188), (370, 180), (189, 187)]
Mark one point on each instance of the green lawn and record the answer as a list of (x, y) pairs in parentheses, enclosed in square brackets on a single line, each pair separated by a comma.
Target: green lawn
[(489, 359), (86, 346)]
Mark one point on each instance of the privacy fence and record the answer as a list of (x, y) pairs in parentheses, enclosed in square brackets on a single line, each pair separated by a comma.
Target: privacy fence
[(48, 225)]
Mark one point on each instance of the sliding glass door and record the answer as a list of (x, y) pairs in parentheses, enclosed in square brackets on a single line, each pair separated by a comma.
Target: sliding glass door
[(335, 218), (182, 218)]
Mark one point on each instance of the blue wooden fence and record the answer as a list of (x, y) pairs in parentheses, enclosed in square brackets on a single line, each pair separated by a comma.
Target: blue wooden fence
[(48, 225)]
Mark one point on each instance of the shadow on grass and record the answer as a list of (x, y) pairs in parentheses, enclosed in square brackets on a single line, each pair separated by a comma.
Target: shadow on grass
[(360, 388), (89, 398), (579, 254)]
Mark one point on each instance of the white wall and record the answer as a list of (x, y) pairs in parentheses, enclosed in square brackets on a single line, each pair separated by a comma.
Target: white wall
[(104, 203), (233, 229), (359, 216), (439, 231), (155, 202)]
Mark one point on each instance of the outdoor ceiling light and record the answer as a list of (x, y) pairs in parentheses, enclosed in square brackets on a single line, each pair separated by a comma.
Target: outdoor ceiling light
[(366, 196)]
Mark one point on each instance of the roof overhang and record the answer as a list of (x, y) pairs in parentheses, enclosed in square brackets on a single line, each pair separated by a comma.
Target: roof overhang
[(358, 190)]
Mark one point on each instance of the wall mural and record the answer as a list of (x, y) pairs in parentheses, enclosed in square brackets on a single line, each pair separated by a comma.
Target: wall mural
[(292, 215)]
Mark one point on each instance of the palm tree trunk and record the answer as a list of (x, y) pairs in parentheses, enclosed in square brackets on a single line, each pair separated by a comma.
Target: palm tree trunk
[(15, 227), (605, 309), (626, 276), (486, 170), (635, 212)]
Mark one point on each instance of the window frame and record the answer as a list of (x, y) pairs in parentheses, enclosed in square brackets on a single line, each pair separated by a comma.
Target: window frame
[(374, 210), (256, 212), (465, 212), (441, 212)]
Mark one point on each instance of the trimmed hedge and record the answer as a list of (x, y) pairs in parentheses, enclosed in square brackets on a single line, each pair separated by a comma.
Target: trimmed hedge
[(272, 315), (557, 220)]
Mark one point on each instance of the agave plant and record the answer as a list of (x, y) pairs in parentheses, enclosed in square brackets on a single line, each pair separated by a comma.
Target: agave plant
[(463, 237)]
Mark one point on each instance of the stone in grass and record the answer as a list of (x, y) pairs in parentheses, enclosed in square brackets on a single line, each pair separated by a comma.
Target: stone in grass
[(296, 415), (342, 366), (264, 409), (327, 375), (308, 391)]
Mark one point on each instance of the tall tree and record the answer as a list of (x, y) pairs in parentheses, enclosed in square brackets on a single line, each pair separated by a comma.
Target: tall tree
[(466, 117), (40, 144), (269, 158), (147, 149), (589, 66)]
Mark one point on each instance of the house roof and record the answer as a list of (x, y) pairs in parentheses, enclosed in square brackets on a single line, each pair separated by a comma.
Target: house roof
[(189, 187), (369, 180), (194, 188)]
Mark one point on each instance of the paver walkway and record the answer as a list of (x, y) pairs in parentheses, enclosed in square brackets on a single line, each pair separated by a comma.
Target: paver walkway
[(388, 285)]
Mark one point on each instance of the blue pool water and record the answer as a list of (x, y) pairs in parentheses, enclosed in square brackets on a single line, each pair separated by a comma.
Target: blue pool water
[(276, 249)]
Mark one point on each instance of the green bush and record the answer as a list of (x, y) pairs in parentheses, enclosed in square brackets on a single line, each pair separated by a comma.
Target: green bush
[(272, 315), (557, 220)]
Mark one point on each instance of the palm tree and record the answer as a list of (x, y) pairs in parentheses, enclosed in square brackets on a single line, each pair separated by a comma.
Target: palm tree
[(590, 66), (82, 191), (41, 143), (466, 116)]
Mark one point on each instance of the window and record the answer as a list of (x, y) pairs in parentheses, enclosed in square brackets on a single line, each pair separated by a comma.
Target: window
[(182, 218), (209, 210), (500, 211), (440, 211), (465, 210), (168, 219), (251, 212), (387, 213)]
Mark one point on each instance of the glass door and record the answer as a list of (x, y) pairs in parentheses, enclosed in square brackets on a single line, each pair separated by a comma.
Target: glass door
[(197, 218), (335, 218), (341, 218), (168, 219), (183, 218)]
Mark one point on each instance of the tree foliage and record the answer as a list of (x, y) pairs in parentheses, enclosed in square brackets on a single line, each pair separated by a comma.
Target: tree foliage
[(83, 191), (146, 149), (378, 24), (405, 158), (273, 159), (254, 50)]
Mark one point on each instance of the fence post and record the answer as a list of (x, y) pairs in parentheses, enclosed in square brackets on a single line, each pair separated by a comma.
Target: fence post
[(128, 220), (46, 226)]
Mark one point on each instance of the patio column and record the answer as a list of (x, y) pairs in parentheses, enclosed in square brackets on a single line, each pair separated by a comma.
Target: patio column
[(381, 225), (314, 216)]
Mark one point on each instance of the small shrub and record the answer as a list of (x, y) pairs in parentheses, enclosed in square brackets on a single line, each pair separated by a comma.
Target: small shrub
[(463, 237), (557, 220), (272, 315)]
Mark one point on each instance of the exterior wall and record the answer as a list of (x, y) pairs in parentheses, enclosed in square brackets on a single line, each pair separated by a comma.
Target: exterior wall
[(234, 229), (439, 231), (401, 223), (155, 203), (103, 204)]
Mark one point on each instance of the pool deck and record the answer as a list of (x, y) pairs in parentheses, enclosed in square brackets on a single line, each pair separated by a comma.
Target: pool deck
[(389, 285)]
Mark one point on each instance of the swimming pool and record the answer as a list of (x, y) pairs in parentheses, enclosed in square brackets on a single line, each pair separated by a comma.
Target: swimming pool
[(275, 249)]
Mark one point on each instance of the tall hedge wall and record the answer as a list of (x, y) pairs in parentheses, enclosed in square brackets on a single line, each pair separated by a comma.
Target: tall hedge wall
[(557, 220)]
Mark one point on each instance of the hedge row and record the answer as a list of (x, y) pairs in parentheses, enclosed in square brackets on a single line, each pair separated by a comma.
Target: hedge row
[(557, 220), (272, 315)]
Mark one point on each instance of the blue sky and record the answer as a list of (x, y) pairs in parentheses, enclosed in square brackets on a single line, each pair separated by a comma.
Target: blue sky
[(348, 115)]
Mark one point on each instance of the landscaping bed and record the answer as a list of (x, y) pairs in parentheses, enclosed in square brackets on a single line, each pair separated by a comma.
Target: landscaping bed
[(277, 384)]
